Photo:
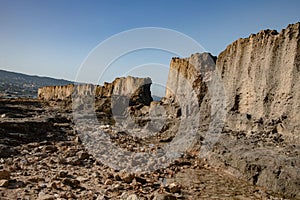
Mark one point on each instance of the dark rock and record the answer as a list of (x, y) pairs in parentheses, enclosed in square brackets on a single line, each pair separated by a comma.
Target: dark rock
[(82, 155), (4, 183), (73, 183), (4, 174)]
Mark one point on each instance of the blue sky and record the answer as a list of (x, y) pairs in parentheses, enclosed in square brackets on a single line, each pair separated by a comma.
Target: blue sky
[(53, 37)]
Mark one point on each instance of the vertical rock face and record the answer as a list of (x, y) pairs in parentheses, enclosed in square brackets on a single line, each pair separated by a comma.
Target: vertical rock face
[(187, 84), (259, 80), (189, 74), (55, 92), (261, 75), (137, 89)]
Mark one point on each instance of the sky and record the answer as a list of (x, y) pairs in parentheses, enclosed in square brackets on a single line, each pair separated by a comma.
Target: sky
[(56, 37)]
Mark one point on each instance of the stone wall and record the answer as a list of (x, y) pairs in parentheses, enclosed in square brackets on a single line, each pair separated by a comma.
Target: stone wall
[(261, 75), (259, 80), (189, 74), (137, 89)]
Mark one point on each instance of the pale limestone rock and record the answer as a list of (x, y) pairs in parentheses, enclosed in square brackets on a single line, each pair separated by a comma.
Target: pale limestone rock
[(261, 75), (137, 89), (4, 183), (188, 74)]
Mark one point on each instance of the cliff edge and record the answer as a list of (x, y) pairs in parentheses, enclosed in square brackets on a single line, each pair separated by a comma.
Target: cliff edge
[(255, 83), (261, 75), (137, 89)]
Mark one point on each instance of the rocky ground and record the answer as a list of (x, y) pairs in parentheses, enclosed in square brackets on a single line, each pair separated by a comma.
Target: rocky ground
[(42, 157)]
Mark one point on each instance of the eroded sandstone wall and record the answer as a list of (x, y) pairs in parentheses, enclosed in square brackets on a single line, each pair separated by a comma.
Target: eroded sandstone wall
[(138, 89), (259, 80), (189, 74), (261, 75)]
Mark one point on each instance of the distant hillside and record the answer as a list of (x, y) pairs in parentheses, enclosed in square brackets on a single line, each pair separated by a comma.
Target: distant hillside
[(21, 85)]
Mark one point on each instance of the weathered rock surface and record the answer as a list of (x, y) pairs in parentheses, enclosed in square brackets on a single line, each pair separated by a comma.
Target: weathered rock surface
[(137, 89), (261, 75), (189, 74), (261, 78), (259, 82), (248, 100), (57, 166)]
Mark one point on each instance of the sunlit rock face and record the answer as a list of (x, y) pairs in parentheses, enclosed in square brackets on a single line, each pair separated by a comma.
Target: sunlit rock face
[(241, 108), (137, 89), (261, 75), (189, 87), (256, 80), (189, 74)]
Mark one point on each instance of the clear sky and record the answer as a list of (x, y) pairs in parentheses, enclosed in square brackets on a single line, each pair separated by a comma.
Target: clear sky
[(53, 37)]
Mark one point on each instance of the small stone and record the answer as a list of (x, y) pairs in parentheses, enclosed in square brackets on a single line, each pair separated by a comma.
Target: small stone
[(63, 174), (77, 140), (119, 186), (4, 183), (50, 149), (73, 183), (117, 177), (54, 185), (4, 174), (141, 180), (82, 155), (126, 177), (108, 182), (43, 196), (73, 161), (132, 197), (174, 188)]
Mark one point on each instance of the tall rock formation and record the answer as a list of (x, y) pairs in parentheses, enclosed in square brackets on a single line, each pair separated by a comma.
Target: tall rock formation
[(261, 75), (256, 80), (189, 74), (136, 89), (187, 86)]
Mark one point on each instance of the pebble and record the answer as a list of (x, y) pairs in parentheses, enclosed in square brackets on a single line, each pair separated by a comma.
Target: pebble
[(71, 182), (174, 188), (43, 196), (82, 155), (4, 174), (4, 183)]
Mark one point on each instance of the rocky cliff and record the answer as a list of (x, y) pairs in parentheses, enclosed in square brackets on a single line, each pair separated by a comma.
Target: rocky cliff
[(260, 139), (137, 89), (188, 89), (261, 75), (257, 80), (189, 74), (241, 108)]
